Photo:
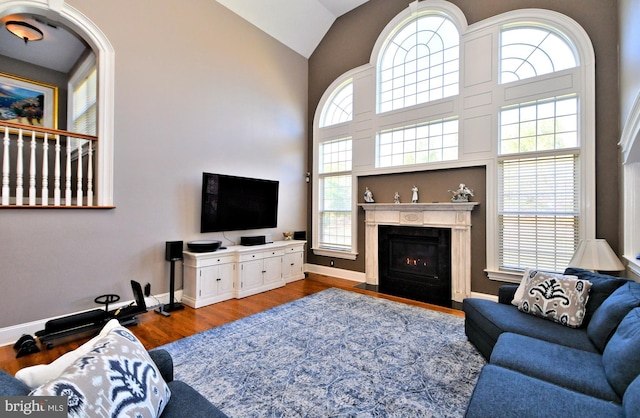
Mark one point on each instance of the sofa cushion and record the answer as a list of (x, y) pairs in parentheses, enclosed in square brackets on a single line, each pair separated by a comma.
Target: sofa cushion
[(631, 400), (39, 374), (602, 285), (489, 319), (621, 356), (607, 317), (505, 393), (559, 299), (116, 378), (568, 367)]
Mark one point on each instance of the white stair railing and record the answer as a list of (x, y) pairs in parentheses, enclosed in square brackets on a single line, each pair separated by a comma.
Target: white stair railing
[(72, 158)]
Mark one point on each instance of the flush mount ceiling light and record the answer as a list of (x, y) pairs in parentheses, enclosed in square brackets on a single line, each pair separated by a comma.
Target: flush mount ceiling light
[(23, 30)]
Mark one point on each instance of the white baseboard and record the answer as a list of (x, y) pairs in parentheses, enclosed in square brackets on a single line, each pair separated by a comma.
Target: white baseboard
[(9, 335), (355, 276)]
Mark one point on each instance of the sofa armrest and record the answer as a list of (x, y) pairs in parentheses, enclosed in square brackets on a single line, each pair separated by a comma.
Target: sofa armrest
[(163, 360), (10, 386), (506, 293)]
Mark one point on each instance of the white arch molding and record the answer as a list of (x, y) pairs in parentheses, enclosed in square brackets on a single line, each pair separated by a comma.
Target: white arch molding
[(86, 29)]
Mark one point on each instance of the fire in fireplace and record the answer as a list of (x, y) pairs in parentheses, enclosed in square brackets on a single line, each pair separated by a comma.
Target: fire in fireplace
[(415, 263)]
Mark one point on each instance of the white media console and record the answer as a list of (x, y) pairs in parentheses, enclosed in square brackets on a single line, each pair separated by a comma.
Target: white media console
[(240, 271)]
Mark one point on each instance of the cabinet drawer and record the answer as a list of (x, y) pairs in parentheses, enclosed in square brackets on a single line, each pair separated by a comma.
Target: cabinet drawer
[(261, 255)]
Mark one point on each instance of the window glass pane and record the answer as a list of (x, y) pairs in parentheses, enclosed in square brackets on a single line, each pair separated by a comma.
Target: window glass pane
[(529, 52), (544, 125), (430, 142), (335, 156), (85, 99), (422, 59)]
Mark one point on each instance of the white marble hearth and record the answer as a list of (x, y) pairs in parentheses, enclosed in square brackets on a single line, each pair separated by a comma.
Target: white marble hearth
[(456, 216)]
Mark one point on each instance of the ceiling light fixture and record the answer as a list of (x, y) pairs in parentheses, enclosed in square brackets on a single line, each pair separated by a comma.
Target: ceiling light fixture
[(24, 30)]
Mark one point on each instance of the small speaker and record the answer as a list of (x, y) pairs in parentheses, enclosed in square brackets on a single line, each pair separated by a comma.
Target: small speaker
[(300, 235), (173, 250), (252, 240)]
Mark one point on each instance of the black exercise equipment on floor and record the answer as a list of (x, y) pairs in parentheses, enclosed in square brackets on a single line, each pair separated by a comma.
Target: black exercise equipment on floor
[(86, 324)]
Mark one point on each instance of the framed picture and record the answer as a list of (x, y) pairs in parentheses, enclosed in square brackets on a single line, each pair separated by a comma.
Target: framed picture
[(28, 102)]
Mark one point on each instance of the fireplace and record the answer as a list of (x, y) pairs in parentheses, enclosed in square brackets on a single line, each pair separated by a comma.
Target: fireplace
[(455, 217), (415, 263)]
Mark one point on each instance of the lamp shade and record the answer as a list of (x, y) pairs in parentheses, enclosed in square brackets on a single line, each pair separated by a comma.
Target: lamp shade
[(595, 254)]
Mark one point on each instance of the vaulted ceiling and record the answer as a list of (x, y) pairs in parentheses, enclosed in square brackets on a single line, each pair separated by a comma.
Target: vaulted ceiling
[(299, 24)]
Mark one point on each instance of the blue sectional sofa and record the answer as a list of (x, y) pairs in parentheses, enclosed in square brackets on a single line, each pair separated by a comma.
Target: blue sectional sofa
[(538, 367)]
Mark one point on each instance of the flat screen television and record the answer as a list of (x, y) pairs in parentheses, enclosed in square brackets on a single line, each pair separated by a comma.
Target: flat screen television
[(231, 203)]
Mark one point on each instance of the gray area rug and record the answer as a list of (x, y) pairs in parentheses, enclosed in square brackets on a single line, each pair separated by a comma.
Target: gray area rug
[(334, 354)]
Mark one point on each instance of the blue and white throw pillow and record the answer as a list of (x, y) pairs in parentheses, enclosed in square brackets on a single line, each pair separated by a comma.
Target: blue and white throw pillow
[(116, 378), (559, 299)]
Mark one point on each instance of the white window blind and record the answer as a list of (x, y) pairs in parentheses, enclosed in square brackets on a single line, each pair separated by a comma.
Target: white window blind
[(85, 99), (335, 195), (538, 212)]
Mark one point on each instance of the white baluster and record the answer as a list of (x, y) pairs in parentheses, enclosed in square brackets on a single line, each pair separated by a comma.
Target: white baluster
[(90, 176), (79, 174), (32, 170), (5, 167), (56, 173), (19, 170), (67, 189), (45, 170)]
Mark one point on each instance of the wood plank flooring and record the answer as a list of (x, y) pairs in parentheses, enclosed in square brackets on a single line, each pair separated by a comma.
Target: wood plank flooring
[(155, 330)]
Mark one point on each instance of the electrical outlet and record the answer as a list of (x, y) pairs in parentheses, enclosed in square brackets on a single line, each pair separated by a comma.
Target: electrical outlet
[(332, 263), (147, 289)]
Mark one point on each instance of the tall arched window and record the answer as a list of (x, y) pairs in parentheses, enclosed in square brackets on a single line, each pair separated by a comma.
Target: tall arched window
[(539, 165), (334, 201)]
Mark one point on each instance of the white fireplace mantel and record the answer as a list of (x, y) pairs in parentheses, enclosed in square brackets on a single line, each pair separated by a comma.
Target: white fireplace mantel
[(456, 216)]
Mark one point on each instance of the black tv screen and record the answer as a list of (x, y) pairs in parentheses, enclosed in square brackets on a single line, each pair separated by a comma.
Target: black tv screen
[(231, 203)]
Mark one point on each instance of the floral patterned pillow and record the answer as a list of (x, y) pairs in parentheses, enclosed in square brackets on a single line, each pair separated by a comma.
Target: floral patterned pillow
[(559, 299), (116, 378)]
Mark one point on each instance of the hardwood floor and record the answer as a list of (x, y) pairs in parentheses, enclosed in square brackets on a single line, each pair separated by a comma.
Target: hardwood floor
[(155, 330)]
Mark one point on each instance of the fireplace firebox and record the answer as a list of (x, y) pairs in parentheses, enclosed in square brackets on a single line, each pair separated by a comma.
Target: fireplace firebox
[(415, 263)]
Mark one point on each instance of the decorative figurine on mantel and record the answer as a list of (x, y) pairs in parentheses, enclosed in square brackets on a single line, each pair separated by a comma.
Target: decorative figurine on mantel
[(414, 194), (368, 196), (396, 198), (462, 194)]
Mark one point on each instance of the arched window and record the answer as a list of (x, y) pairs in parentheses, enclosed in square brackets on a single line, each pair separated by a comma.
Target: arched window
[(420, 63), (340, 108), (532, 51)]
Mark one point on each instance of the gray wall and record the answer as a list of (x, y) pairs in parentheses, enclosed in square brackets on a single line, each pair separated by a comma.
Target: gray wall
[(350, 41), (196, 89)]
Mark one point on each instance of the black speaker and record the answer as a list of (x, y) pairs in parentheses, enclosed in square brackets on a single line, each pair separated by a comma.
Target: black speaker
[(300, 235), (173, 250)]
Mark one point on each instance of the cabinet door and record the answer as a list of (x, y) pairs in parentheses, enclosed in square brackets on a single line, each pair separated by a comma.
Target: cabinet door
[(251, 274), (208, 285), (272, 269), (292, 265), (226, 278)]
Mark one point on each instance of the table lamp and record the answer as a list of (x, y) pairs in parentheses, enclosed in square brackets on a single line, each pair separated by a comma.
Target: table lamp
[(596, 255)]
